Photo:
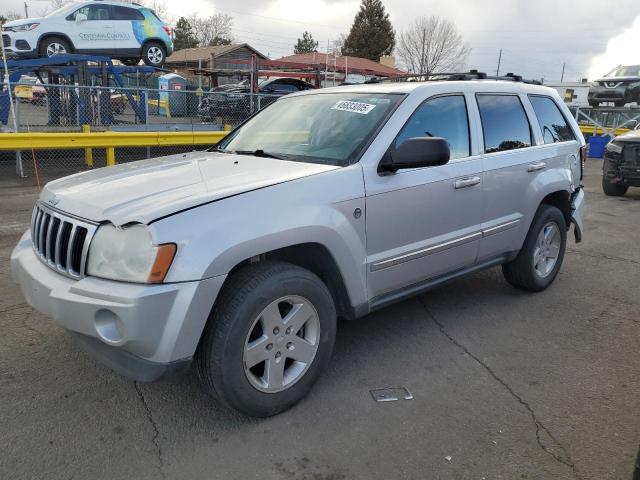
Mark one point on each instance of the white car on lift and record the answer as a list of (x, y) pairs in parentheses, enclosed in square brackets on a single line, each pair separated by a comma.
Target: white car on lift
[(128, 32)]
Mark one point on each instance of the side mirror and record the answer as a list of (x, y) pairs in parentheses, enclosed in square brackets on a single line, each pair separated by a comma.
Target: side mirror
[(81, 17), (416, 152)]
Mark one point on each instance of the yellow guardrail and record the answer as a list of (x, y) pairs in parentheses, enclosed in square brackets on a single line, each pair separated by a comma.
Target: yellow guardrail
[(592, 130), (108, 140)]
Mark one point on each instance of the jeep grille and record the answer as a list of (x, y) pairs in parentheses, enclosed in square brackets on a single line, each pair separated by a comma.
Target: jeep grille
[(61, 241)]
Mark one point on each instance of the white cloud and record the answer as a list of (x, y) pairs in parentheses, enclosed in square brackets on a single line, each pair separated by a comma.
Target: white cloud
[(621, 50)]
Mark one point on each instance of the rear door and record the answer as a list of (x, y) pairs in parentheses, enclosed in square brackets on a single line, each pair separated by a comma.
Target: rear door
[(510, 162), (425, 222), (124, 19)]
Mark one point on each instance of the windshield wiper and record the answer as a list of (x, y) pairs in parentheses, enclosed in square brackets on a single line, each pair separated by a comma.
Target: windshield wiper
[(260, 153)]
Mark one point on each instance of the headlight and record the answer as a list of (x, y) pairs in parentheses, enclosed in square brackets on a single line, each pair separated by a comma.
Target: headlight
[(128, 254), (614, 148), (27, 27)]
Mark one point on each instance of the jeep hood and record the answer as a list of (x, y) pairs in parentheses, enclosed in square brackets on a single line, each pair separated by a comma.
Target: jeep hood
[(145, 190), (631, 137), (619, 79)]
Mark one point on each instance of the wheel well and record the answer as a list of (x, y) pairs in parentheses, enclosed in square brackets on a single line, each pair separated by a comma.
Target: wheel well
[(317, 259), (154, 40), (58, 35), (561, 201)]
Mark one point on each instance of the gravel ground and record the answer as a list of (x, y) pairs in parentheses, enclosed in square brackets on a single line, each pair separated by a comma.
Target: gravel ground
[(505, 384)]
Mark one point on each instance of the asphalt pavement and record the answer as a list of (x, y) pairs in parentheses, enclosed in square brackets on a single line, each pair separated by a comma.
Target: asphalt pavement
[(505, 384)]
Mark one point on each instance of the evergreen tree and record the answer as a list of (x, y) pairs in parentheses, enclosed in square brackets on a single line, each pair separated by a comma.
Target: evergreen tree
[(372, 34), (306, 44), (183, 36)]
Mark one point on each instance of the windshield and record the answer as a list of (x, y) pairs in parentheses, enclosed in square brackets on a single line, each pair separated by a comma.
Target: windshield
[(628, 71), (328, 128)]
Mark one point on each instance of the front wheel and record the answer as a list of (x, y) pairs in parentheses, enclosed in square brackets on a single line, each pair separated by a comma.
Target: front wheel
[(613, 189), (268, 339), (51, 46), (153, 54), (540, 258)]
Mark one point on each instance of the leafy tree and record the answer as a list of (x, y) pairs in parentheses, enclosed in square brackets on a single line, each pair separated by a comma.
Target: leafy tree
[(372, 34), (306, 44), (183, 36)]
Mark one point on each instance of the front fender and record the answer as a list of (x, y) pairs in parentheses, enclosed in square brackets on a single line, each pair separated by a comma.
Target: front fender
[(212, 239)]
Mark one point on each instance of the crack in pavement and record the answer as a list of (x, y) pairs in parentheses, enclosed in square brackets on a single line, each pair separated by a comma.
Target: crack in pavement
[(156, 432), (538, 424), (600, 255)]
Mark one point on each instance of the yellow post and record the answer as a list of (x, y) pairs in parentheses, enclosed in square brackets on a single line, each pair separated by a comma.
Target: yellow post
[(88, 153), (111, 156)]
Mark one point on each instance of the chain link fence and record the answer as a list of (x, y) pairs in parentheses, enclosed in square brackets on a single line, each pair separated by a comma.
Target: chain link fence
[(37, 108)]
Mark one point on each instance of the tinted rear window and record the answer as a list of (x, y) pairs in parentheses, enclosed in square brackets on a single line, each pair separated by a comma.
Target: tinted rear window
[(504, 122), (125, 13), (552, 122)]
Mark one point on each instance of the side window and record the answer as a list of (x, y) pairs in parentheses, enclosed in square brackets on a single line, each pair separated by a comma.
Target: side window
[(125, 13), (444, 117), (553, 124), (98, 12), (504, 122)]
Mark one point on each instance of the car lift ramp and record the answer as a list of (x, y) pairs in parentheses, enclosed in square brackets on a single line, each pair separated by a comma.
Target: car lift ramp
[(610, 121), (79, 70)]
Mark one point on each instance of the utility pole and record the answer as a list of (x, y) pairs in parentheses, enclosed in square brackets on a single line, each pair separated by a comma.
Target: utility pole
[(499, 61), (26, 10), (562, 76), (326, 64)]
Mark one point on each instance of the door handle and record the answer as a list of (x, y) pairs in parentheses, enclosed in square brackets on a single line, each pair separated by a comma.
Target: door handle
[(466, 182), (536, 167)]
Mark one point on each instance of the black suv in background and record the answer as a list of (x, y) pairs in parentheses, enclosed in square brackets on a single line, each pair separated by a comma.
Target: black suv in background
[(232, 103), (620, 86), (621, 168)]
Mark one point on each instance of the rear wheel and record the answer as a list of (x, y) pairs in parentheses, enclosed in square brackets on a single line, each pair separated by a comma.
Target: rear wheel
[(269, 337), (51, 46), (153, 54), (540, 258), (613, 189)]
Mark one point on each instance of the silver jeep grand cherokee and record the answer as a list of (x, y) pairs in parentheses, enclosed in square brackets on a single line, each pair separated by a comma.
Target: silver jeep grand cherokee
[(327, 204)]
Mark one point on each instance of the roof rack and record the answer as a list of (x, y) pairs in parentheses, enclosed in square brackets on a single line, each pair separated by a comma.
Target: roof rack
[(455, 76)]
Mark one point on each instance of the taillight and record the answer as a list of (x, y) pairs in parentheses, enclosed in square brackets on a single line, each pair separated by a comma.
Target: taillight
[(584, 154), (167, 29)]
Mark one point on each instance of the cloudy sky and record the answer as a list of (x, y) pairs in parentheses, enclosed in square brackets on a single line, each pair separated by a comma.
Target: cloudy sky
[(537, 36)]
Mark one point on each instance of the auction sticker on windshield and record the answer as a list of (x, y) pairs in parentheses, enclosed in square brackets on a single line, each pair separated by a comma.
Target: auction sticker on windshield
[(355, 107)]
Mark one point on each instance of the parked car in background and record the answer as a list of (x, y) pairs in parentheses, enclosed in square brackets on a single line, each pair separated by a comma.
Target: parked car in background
[(621, 166), (24, 91), (126, 31), (233, 102), (620, 86), (325, 205)]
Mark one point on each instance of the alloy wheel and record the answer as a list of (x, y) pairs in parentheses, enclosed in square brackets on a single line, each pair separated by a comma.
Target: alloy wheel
[(281, 344), (547, 249)]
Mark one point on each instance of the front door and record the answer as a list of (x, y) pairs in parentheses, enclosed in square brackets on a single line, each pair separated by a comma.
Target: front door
[(425, 222)]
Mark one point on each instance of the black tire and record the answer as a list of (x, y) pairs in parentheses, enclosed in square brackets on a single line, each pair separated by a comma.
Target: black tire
[(613, 189), (130, 62), (146, 55), (49, 41), (220, 355), (521, 272)]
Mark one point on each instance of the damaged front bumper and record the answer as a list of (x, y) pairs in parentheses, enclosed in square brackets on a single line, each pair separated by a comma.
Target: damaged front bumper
[(577, 207)]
